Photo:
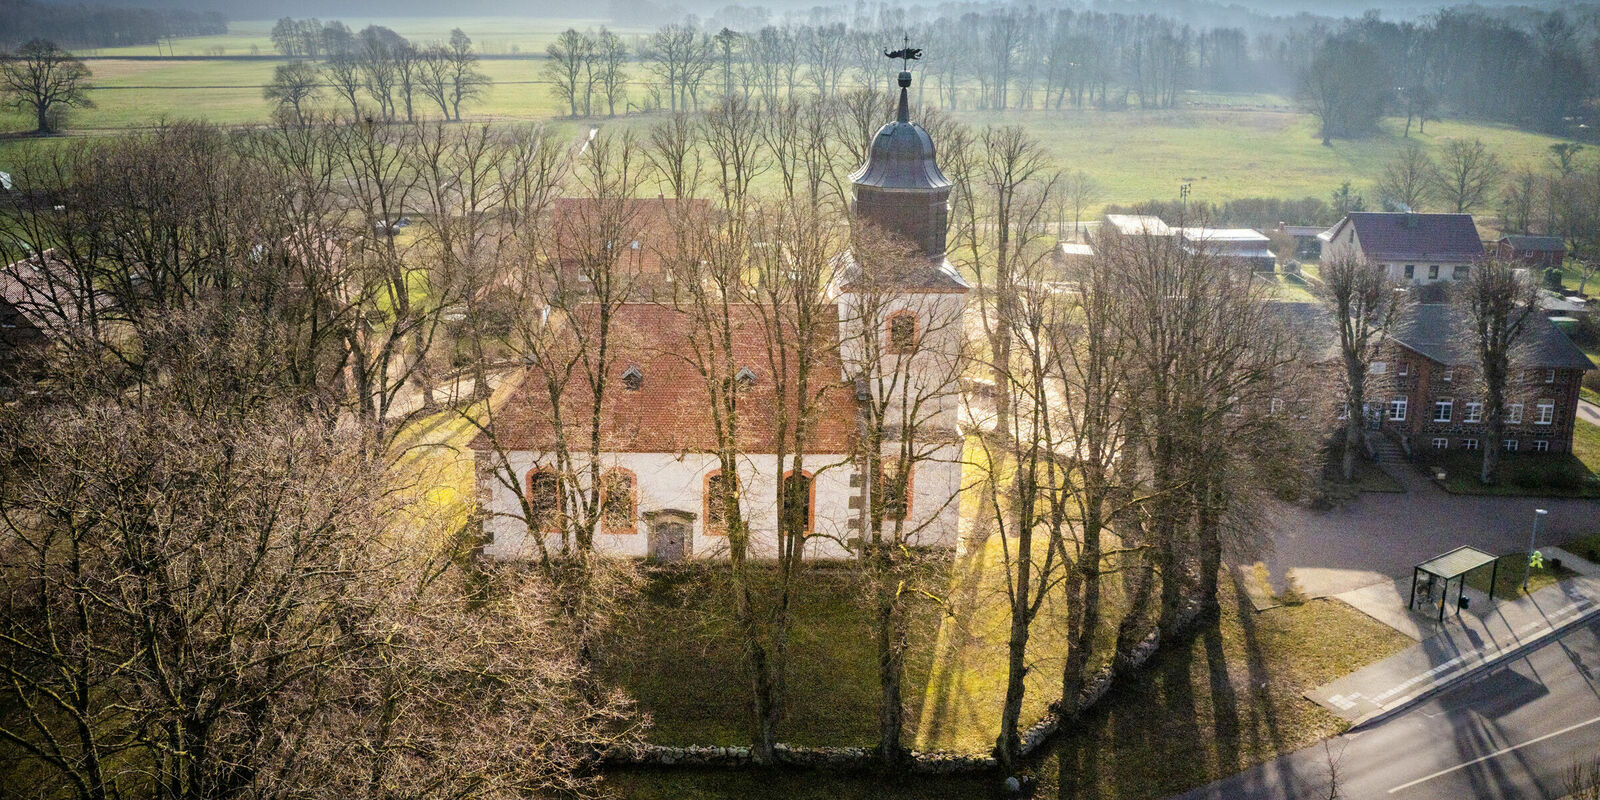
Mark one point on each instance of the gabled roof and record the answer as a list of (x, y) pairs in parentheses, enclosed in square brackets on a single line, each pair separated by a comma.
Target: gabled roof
[(1399, 236), (1225, 235), (671, 411), (1536, 244), (1312, 327), (1439, 331)]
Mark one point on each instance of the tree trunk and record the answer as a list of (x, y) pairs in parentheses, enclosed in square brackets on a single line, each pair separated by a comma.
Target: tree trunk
[(43, 116), (891, 659), (1207, 525)]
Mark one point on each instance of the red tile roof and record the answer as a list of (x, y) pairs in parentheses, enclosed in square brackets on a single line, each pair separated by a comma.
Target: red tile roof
[(647, 231), (671, 412)]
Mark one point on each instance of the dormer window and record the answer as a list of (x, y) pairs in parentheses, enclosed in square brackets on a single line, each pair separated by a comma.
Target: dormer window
[(633, 378), (745, 378)]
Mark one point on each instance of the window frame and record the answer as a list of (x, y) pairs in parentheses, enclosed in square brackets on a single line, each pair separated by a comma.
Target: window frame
[(811, 501), (706, 504), (1546, 413), (1448, 407), (1441, 443), (881, 479), (1513, 414), (633, 501), (1541, 445), (1433, 272), (1469, 445), (559, 505), (894, 347), (1472, 413), (1404, 403), (1509, 445)]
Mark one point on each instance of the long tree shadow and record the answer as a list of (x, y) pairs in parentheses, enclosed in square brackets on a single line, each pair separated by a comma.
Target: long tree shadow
[(1263, 721)]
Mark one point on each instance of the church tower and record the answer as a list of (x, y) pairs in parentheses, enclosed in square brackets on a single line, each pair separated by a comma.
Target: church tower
[(912, 309)]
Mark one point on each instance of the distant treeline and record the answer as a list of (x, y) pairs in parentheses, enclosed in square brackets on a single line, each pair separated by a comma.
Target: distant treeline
[(85, 25)]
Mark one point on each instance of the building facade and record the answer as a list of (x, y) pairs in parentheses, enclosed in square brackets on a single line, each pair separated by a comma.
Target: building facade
[(1415, 248), (1428, 391)]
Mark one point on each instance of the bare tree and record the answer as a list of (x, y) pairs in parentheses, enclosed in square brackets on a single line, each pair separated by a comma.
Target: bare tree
[(611, 61), (567, 58), (1407, 179), (466, 81), (1364, 306), (294, 84), (343, 73), (1467, 175), (44, 80), (1497, 302), (1079, 190)]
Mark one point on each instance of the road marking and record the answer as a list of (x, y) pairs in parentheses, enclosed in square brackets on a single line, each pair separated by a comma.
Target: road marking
[(1495, 754)]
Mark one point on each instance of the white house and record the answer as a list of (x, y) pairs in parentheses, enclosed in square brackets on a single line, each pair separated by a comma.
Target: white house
[(1416, 248)]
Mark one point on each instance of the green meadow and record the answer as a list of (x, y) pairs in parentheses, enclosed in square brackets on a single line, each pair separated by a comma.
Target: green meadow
[(1225, 146)]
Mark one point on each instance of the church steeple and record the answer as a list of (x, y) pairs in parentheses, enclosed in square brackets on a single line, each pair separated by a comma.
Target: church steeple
[(900, 189)]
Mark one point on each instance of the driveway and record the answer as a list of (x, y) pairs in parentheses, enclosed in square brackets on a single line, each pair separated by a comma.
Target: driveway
[(1589, 412), (1379, 537)]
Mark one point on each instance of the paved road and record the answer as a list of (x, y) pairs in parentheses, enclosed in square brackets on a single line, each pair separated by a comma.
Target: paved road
[(1588, 412), (1514, 732), (1378, 537)]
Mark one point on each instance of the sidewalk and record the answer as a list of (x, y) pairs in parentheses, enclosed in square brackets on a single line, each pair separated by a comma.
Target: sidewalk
[(1465, 643)]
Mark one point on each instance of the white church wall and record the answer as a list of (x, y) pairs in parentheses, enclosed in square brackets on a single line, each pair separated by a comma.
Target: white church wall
[(673, 481)]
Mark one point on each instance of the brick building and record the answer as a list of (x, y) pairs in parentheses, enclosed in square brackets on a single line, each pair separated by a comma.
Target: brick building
[(1532, 251), (1433, 400)]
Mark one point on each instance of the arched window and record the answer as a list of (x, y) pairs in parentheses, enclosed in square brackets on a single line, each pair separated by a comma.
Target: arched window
[(902, 332), (894, 489), (799, 498), (717, 486), (544, 500), (619, 502)]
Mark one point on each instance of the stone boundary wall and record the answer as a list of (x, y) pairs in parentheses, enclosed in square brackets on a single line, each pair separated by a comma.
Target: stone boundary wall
[(861, 759)]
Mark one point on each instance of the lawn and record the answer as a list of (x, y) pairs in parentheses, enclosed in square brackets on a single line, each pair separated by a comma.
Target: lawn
[(680, 656), (1587, 547), (1207, 708), (1202, 710), (1508, 580), (1575, 474)]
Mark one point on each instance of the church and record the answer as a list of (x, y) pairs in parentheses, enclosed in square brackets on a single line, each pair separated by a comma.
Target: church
[(892, 365)]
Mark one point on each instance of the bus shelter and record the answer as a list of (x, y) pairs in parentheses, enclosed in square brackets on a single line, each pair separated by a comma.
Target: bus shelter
[(1451, 566)]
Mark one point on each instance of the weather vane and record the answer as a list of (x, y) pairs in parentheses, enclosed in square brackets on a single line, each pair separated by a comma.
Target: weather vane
[(906, 54)]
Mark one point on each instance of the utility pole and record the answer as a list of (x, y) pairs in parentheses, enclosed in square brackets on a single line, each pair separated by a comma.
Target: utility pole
[(1528, 571)]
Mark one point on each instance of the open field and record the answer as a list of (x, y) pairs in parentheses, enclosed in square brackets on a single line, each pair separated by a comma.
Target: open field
[(491, 35)]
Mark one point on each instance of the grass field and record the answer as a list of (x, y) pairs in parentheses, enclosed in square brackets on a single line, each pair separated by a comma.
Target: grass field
[(1224, 146), (1202, 710), (490, 35)]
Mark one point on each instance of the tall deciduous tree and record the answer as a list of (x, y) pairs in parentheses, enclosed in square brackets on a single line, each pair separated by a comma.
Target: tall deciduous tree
[(1467, 175), (1407, 179), (1497, 303), (1364, 306), (45, 81), (293, 84)]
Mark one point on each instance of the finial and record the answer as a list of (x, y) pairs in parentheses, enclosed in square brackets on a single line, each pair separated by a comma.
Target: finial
[(906, 54)]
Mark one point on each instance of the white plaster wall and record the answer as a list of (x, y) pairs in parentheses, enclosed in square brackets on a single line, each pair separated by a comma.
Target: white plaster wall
[(674, 481)]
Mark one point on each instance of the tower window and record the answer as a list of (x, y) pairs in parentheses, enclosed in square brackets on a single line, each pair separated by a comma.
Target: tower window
[(902, 332)]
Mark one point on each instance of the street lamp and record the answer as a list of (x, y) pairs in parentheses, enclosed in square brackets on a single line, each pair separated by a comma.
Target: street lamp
[(1528, 572)]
